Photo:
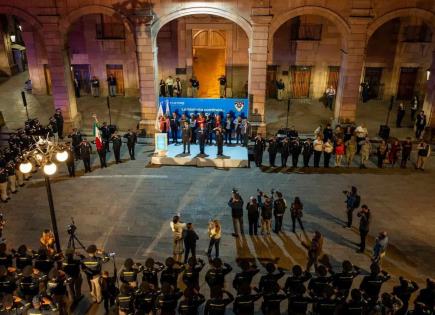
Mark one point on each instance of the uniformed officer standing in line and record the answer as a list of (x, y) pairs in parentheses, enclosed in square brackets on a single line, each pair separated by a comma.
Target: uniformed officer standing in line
[(125, 300), (219, 140), (273, 150), (116, 145), (129, 273), (4, 184), (131, 142), (102, 151), (70, 163), (202, 137), (217, 303), (76, 140), (259, 147), (92, 266), (186, 136), (106, 134), (307, 151), (71, 267), (85, 150)]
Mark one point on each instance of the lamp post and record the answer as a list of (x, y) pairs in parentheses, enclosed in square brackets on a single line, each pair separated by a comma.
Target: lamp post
[(42, 154)]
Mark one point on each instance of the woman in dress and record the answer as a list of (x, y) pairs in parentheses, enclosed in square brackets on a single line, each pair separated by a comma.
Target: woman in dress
[(177, 229)]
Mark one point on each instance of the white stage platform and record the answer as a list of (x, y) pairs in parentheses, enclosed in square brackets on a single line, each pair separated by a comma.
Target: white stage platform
[(234, 156)]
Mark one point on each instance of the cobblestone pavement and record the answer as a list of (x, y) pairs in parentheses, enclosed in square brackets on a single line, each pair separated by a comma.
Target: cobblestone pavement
[(127, 208), (305, 114)]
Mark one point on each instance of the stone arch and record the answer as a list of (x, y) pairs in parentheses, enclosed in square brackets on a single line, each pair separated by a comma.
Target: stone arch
[(24, 15), (427, 16), (163, 20), (68, 20), (330, 15)]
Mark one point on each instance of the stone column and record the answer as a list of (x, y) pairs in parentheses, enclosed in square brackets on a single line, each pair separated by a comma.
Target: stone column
[(61, 78), (258, 66), (429, 100), (36, 67), (351, 69), (147, 62)]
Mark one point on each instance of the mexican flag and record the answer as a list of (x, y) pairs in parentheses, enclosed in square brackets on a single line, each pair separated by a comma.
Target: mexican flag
[(159, 114), (98, 140)]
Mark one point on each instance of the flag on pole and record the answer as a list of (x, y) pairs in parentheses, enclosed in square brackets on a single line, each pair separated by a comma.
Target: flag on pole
[(98, 140), (167, 112), (159, 114)]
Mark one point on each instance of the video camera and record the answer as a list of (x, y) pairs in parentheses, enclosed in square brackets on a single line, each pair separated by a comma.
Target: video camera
[(71, 228)]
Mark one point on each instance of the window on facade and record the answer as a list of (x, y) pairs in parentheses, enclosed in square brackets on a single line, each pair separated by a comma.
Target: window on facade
[(110, 28), (417, 34)]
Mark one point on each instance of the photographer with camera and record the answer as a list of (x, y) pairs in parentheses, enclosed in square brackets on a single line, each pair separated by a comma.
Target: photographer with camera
[(92, 266), (236, 205), (353, 201)]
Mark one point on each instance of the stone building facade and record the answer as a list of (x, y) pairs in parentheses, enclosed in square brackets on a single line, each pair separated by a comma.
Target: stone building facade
[(340, 42)]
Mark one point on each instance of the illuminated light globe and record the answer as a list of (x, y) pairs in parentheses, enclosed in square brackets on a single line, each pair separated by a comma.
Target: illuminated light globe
[(62, 156), (50, 169), (26, 167)]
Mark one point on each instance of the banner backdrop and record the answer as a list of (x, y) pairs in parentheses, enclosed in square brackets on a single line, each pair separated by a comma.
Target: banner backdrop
[(234, 106)]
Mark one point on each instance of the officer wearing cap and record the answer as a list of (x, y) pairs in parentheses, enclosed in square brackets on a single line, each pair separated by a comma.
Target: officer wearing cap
[(28, 285), (116, 145), (71, 267), (125, 300), (92, 266), (129, 273)]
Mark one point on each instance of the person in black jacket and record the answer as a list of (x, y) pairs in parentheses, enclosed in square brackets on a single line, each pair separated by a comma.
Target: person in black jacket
[(295, 149), (175, 124), (190, 238), (167, 301), (371, 284), (116, 145), (219, 140), (71, 267), (70, 161), (295, 289), (279, 206), (273, 150), (191, 273), (319, 284), (357, 305), (364, 225), (217, 303), (285, 152), (307, 152), (244, 278), (191, 302), (236, 205), (151, 271), (269, 282), (131, 142), (125, 299), (253, 215), (106, 134), (342, 281), (59, 122), (244, 302), (259, 147), (404, 292), (215, 276), (76, 140), (85, 154), (128, 274), (144, 302), (170, 273)]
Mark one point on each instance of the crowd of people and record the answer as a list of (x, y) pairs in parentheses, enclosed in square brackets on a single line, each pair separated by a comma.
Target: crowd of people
[(342, 144)]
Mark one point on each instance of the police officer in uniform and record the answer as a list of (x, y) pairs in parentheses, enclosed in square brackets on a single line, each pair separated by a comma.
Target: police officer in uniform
[(244, 278), (171, 272), (92, 266), (219, 132), (129, 273), (191, 302), (215, 276), (70, 161), (269, 282), (295, 289), (191, 273), (285, 152), (244, 302), (116, 145), (23, 258), (57, 290), (71, 267), (320, 283), (167, 301), (273, 150), (131, 142), (259, 147), (28, 284), (7, 282), (371, 284), (151, 271), (106, 134), (144, 302), (125, 300), (307, 151), (356, 305), (59, 122), (272, 301), (342, 281), (217, 303), (5, 256), (186, 136), (85, 154)]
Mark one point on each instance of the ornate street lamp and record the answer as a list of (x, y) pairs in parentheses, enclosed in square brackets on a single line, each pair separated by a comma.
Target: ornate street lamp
[(42, 155)]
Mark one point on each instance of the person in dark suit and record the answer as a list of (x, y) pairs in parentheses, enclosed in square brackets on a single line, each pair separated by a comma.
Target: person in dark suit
[(273, 150), (219, 140), (175, 124), (116, 145), (85, 154), (259, 147), (131, 142), (202, 137), (186, 136), (190, 238)]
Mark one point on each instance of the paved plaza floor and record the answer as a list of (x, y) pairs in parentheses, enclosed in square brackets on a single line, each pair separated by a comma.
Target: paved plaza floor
[(305, 114), (127, 208)]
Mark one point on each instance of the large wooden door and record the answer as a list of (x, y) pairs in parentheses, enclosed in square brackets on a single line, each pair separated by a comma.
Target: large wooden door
[(300, 77), (84, 76), (118, 73), (47, 75), (333, 77), (271, 82), (407, 80), (373, 77), (208, 66)]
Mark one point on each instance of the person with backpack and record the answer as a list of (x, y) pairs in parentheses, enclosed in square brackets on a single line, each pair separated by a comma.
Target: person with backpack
[(353, 201), (279, 206)]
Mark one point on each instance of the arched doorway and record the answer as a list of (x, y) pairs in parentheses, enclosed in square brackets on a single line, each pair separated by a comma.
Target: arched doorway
[(304, 60), (204, 47), (399, 56)]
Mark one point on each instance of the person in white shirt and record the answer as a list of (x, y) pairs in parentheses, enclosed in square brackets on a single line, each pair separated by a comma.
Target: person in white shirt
[(330, 94), (170, 85), (318, 149), (328, 148), (177, 231), (361, 133)]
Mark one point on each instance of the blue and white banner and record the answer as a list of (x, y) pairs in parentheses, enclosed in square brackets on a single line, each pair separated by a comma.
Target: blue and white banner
[(233, 106)]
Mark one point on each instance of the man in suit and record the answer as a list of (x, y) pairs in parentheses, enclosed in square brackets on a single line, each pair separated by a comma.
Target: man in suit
[(131, 142), (202, 137), (186, 136)]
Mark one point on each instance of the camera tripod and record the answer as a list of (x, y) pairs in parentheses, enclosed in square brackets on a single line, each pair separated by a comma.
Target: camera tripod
[(72, 242)]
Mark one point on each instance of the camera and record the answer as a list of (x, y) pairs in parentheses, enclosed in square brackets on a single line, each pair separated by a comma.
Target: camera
[(71, 228)]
